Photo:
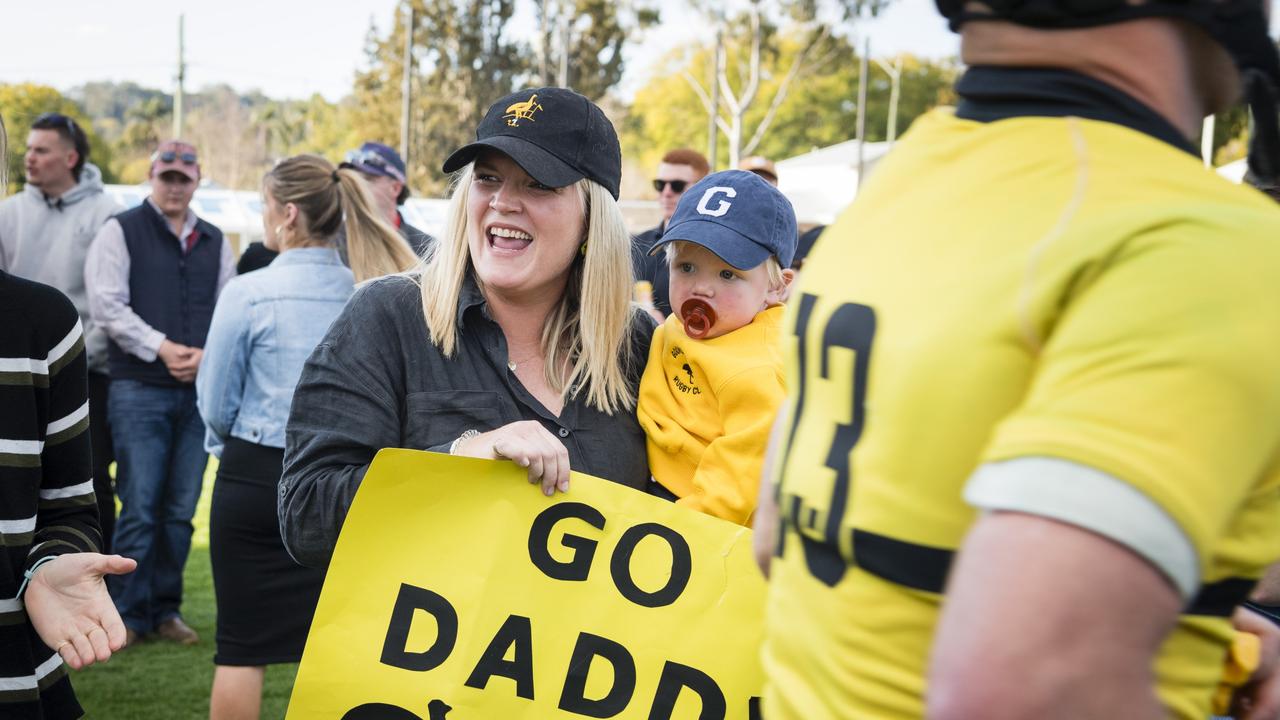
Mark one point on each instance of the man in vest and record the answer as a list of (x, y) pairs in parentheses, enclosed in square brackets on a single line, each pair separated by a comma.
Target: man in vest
[(153, 275)]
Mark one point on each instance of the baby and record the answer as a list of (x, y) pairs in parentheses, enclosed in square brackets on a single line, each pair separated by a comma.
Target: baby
[(714, 380)]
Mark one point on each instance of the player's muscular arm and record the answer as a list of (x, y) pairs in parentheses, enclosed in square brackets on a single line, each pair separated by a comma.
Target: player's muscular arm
[(1047, 620)]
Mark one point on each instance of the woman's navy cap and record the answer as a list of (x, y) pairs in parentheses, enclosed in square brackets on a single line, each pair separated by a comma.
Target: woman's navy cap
[(736, 215), (556, 135)]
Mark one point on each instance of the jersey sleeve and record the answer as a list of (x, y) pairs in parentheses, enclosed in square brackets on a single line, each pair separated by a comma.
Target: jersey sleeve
[(1160, 371)]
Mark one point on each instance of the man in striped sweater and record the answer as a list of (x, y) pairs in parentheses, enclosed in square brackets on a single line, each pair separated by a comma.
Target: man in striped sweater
[(54, 606)]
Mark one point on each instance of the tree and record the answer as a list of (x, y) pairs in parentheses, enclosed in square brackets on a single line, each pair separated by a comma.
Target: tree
[(749, 43), (21, 104), (821, 110), (465, 58), (593, 32)]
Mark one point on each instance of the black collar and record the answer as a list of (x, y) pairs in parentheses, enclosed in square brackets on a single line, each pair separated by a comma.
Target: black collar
[(470, 297), (990, 93)]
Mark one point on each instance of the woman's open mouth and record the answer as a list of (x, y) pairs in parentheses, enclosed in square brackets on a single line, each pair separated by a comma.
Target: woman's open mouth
[(508, 240)]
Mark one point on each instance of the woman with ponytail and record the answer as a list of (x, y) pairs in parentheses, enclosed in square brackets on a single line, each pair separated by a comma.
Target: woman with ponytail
[(265, 325)]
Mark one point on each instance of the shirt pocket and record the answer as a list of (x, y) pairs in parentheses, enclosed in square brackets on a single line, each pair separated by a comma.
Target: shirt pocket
[(438, 418)]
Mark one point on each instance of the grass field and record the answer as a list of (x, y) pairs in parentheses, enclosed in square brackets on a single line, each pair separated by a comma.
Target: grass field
[(163, 681)]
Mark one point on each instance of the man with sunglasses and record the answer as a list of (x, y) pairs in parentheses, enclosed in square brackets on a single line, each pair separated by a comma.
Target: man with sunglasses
[(154, 273), (678, 170), (45, 232), (384, 170)]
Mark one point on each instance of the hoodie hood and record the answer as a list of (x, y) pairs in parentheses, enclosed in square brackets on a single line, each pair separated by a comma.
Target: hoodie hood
[(49, 241), (90, 184)]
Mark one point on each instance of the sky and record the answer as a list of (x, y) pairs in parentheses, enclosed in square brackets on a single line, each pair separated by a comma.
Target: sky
[(292, 49)]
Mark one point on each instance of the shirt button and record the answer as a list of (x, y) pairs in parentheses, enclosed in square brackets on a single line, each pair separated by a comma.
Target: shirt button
[(564, 432)]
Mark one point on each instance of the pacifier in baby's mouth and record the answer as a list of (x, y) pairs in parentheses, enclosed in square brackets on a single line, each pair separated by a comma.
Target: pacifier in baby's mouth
[(698, 318)]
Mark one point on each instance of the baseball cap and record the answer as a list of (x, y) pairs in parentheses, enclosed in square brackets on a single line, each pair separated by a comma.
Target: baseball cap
[(737, 215), (760, 166), (554, 134), (376, 159), (178, 156)]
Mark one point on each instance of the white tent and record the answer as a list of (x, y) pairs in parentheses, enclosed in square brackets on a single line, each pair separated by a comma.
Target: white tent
[(1234, 171), (821, 183)]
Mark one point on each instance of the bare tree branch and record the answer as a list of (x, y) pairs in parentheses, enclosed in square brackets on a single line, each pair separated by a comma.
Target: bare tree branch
[(705, 98), (797, 66)]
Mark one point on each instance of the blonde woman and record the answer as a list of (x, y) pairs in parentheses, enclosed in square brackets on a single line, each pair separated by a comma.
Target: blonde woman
[(516, 341), (264, 327)]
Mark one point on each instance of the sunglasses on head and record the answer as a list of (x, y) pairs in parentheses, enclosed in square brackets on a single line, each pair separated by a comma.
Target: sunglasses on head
[(168, 156), (58, 119), (676, 185), (372, 159)]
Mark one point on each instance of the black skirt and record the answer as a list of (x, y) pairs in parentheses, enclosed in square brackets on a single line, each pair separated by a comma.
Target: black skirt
[(265, 599)]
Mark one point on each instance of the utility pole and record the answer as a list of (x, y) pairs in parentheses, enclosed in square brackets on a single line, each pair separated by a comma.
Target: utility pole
[(566, 10), (894, 72), (406, 87), (712, 130), (544, 31), (862, 105), (182, 75)]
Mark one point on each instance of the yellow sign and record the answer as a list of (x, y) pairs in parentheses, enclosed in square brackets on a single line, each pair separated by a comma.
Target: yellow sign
[(459, 592)]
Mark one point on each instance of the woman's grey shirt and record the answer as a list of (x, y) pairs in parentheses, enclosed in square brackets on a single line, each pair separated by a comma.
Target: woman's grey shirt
[(377, 381)]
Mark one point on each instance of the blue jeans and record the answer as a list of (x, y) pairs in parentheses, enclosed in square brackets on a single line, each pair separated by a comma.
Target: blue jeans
[(160, 461)]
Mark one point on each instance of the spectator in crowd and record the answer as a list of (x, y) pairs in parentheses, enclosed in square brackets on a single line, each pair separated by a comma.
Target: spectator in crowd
[(1034, 431), (263, 329), (518, 340), (713, 383), (255, 257), (383, 168), (804, 246), (153, 275), (44, 236), (678, 170), (54, 607), (761, 166)]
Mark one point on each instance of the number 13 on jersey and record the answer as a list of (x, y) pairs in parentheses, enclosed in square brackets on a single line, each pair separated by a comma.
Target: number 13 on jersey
[(827, 414)]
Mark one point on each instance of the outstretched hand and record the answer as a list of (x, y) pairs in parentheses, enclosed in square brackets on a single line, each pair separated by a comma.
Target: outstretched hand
[(70, 609)]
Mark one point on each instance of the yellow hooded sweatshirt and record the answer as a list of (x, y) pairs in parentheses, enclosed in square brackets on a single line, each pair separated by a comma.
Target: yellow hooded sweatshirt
[(707, 407)]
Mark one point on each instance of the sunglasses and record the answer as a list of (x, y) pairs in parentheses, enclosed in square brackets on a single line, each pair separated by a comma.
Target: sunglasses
[(677, 186), (369, 158), (168, 156), (53, 118)]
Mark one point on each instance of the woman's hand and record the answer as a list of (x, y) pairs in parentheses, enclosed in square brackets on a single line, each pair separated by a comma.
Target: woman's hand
[(528, 444)]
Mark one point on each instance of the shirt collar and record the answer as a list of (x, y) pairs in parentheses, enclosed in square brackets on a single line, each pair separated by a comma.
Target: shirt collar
[(188, 223), (308, 256), (470, 297), (990, 93)]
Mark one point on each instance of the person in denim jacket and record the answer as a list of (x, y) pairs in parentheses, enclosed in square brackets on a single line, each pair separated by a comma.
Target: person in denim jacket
[(264, 327)]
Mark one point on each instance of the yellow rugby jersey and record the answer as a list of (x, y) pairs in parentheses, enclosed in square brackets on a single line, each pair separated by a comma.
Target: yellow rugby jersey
[(1028, 288)]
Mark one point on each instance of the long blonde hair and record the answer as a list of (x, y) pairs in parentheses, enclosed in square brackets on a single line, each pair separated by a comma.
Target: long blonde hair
[(588, 329), (324, 196)]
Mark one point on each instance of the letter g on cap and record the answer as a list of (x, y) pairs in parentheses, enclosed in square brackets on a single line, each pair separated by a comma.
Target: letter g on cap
[(722, 207)]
